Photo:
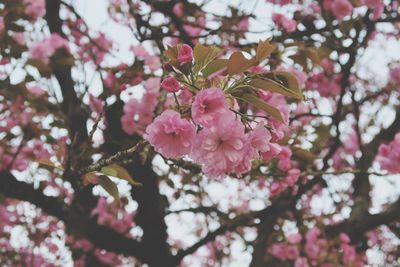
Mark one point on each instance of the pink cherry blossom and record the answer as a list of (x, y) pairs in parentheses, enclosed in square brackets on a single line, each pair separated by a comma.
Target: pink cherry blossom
[(185, 54), (208, 106), (170, 84), (221, 146), (171, 135)]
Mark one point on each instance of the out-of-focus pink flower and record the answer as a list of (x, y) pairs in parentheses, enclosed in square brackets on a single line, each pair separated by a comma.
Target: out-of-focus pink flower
[(349, 254), (36, 91), (139, 51), (185, 54), (244, 24), (208, 106), (341, 8), (278, 251), (301, 262), (35, 8), (274, 150), (171, 135), (344, 238), (153, 62), (389, 155), (178, 9), (19, 37), (279, 2), (95, 104), (324, 85), (260, 138), (294, 238), (47, 47), (394, 75), (2, 25), (283, 22), (170, 84)]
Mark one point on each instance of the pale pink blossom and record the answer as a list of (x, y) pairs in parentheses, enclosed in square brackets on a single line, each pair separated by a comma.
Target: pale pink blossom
[(208, 106), (221, 146), (170, 135)]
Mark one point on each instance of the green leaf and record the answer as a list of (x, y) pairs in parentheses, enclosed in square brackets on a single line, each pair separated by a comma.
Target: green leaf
[(238, 63), (123, 174), (171, 53), (214, 66), (49, 165), (203, 55), (304, 155), (288, 85), (109, 186), (255, 101), (109, 171)]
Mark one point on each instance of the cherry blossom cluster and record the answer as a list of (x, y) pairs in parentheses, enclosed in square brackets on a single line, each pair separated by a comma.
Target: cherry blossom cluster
[(212, 134)]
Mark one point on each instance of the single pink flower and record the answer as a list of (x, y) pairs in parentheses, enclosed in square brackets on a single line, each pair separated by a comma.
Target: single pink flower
[(208, 105), (221, 147), (170, 135), (185, 54), (171, 84)]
